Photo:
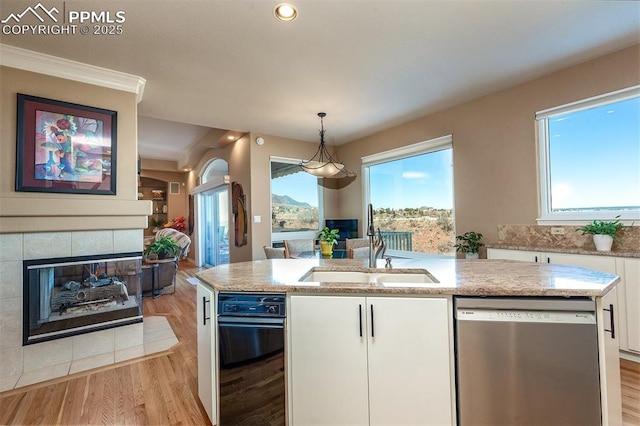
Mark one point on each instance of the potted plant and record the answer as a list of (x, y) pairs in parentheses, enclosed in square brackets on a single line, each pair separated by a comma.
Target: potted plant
[(469, 244), (162, 248), (604, 232), (155, 224), (328, 238)]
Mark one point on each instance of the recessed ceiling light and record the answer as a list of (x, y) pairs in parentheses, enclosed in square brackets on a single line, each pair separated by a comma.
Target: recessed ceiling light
[(285, 12), (231, 138)]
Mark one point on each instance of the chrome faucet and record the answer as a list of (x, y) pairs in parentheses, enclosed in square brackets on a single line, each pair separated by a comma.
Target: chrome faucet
[(377, 247), (382, 247), (371, 233)]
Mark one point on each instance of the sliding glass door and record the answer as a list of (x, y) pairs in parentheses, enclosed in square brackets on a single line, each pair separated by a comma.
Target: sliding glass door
[(214, 226)]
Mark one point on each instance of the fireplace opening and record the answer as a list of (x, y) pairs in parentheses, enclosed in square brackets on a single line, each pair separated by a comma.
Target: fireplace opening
[(74, 295)]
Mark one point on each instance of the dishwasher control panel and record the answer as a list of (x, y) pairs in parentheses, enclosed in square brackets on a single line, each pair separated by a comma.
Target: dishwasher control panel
[(465, 314), (251, 304)]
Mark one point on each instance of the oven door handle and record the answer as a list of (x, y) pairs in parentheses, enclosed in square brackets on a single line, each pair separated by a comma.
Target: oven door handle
[(250, 322)]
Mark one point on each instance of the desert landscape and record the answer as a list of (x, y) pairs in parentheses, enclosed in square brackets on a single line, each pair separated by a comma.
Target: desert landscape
[(432, 229)]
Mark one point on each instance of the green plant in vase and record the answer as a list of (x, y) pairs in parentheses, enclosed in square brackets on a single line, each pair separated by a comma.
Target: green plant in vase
[(604, 232), (155, 224), (328, 238), (162, 248), (470, 243)]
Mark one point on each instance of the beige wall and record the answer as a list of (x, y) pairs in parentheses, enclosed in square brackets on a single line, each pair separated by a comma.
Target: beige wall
[(494, 142), (261, 183), (240, 172), (249, 165), (177, 203), (35, 211), (158, 165), (237, 155)]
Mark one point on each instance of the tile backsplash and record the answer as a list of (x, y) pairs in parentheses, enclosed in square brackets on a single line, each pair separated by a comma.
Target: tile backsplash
[(536, 236)]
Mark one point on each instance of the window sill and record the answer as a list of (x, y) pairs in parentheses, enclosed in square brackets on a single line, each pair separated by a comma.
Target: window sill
[(628, 219)]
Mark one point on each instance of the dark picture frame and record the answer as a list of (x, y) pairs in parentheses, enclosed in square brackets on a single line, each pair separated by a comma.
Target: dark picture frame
[(65, 147)]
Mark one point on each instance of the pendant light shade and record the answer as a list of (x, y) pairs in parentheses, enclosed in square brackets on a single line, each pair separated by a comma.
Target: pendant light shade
[(322, 164)]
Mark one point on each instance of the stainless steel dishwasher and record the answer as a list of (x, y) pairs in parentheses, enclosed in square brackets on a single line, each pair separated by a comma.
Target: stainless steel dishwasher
[(251, 359), (527, 361)]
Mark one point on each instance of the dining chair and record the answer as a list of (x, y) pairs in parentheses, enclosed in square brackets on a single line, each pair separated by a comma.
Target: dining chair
[(350, 243), (293, 247), (358, 253), (274, 253)]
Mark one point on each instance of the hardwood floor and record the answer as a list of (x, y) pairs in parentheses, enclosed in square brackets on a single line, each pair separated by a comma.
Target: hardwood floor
[(630, 376), (162, 389)]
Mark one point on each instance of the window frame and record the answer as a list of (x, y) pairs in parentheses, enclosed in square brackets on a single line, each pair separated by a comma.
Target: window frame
[(546, 216), (294, 235), (419, 148)]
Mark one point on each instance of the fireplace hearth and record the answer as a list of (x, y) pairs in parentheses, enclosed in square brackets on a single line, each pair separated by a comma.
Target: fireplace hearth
[(74, 295)]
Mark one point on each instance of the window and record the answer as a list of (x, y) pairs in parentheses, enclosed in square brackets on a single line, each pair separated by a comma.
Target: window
[(590, 159), (296, 200), (411, 189)]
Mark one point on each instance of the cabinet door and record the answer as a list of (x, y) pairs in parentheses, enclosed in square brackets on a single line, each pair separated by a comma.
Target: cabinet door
[(527, 256), (328, 359), (631, 277), (610, 391), (409, 361), (599, 263), (205, 318)]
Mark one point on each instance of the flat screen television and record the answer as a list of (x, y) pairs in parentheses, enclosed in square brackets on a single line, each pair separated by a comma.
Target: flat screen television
[(348, 227)]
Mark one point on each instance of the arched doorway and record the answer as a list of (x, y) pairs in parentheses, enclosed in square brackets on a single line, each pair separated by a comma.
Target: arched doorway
[(212, 209)]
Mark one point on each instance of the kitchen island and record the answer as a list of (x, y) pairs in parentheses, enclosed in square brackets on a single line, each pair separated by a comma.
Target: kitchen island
[(405, 373)]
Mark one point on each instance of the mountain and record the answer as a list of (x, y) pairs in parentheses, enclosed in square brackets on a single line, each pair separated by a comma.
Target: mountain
[(285, 199)]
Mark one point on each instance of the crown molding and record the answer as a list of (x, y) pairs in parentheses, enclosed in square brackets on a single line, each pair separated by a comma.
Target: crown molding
[(41, 63)]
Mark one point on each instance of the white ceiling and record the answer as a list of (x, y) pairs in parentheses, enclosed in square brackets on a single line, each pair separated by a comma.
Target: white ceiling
[(370, 64)]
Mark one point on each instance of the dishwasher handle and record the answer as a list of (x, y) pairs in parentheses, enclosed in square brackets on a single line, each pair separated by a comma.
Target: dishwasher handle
[(253, 322)]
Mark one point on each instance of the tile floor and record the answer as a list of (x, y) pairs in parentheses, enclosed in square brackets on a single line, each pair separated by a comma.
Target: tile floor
[(116, 345)]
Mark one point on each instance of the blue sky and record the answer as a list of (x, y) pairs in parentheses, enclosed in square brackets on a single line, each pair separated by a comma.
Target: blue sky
[(595, 156), (297, 186), (421, 181), (595, 162), (424, 180)]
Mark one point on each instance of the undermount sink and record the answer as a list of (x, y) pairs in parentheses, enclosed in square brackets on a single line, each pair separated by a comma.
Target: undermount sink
[(339, 277), (404, 278), (419, 276)]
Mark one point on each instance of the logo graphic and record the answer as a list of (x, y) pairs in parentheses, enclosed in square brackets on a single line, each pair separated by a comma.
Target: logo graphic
[(69, 22), (34, 11)]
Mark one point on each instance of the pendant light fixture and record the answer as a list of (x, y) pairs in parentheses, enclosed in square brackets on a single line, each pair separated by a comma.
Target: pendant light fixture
[(322, 164)]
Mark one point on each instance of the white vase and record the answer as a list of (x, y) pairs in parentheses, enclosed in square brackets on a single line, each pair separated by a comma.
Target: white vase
[(471, 255), (602, 242)]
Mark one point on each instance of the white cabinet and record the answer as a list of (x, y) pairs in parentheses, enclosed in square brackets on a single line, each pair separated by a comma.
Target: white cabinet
[(328, 361), (206, 351), (409, 361), (610, 390), (524, 255), (629, 304), (370, 360), (599, 263)]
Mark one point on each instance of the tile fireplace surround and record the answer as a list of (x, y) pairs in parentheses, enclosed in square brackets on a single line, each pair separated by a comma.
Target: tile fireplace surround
[(25, 365)]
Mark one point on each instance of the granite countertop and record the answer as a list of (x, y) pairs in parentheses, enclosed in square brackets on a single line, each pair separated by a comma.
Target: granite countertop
[(455, 277), (574, 250)]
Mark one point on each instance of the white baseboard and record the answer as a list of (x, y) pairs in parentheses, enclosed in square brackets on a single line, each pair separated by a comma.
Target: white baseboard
[(630, 356)]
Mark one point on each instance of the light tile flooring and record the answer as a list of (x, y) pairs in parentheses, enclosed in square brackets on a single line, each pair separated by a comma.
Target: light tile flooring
[(158, 336)]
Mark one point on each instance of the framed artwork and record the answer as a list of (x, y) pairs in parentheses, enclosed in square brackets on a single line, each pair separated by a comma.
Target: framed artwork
[(64, 147)]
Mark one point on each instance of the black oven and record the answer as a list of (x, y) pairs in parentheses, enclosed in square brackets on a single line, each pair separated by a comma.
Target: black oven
[(251, 359)]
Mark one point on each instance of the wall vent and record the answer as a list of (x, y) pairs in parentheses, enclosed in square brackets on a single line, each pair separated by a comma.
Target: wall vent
[(174, 187)]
